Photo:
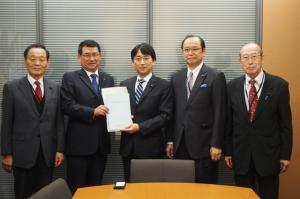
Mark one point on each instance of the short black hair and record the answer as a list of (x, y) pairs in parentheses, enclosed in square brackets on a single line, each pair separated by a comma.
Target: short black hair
[(26, 51), (88, 43), (202, 43), (146, 49)]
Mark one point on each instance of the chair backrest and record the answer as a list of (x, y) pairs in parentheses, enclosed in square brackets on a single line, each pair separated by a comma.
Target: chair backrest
[(57, 189), (162, 170)]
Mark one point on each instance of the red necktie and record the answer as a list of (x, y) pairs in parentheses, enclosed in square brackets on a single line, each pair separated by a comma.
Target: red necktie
[(38, 91), (252, 99)]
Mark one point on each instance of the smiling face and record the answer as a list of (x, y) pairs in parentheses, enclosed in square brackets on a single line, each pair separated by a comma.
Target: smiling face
[(193, 52), (143, 64), (36, 62), (251, 59), (89, 58)]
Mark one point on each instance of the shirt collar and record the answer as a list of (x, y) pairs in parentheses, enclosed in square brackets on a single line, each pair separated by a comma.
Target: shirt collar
[(32, 80), (89, 73), (147, 78), (195, 71), (258, 79)]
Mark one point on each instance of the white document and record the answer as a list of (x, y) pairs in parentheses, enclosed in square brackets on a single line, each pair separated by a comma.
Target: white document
[(118, 102)]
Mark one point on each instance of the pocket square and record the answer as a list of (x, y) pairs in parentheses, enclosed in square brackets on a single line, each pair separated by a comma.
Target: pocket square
[(203, 86)]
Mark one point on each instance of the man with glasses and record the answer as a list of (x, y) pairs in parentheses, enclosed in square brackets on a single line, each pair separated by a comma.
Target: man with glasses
[(32, 131), (259, 131), (151, 107), (87, 139), (200, 110)]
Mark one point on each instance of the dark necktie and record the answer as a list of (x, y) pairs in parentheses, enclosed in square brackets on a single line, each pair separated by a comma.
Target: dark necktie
[(139, 91), (253, 99), (95, 83), (189, 84), (38, 91)]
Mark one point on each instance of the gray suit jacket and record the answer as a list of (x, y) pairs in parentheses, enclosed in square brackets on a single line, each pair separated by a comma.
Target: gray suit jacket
[(24, 129), (202, 116)]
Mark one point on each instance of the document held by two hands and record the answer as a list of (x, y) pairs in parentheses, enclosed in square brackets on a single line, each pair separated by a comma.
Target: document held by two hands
[(118, 102)]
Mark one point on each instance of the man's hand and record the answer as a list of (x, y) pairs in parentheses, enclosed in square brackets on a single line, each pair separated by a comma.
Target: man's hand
[(7, 163), (131, 129), (101, 110), (284, 164), (59, 158), (228, 160), (215, 153), (170, 151)]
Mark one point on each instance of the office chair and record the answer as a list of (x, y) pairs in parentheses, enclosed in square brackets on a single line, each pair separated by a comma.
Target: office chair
[(57, 189), (162, 170)]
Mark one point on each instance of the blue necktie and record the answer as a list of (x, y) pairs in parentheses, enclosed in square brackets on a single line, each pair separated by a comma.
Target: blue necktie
[(95, 83), (139, 91)]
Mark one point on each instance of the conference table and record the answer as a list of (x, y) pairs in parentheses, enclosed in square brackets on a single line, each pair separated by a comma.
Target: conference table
[(165, 190)]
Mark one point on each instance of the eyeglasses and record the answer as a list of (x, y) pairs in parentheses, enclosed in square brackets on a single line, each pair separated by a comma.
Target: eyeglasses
[(193, 50), (89, 55), (253, 57), (39, 59), (144, 58)]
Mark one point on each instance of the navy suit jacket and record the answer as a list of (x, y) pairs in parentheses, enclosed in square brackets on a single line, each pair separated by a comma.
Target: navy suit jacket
[(24, 129), (268, 139), (85, 133), (201, 118), (152, 113)]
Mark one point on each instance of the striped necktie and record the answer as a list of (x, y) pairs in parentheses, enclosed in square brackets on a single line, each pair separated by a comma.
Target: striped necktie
[(139, 91), (189, 84)]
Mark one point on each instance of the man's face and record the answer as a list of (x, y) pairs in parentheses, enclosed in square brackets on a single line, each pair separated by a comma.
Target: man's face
[(193, 52), (251, 60), (36, 62), (90, 58), (143, 64)]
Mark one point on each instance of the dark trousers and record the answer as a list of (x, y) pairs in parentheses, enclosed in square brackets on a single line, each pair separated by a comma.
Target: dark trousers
[(265, 186), (206, 170), (87, 170), (29, 181), (126, 166)]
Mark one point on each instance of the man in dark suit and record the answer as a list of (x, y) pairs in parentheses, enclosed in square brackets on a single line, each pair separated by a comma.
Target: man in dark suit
[(87, 140), (151, 107), (200, 109), (259, 133), (32, 132)]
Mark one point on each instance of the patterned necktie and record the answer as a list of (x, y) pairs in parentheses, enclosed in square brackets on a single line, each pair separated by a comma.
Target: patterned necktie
[(189, 84), (95, 83), (139, 91), (38, 91), (253, 99)]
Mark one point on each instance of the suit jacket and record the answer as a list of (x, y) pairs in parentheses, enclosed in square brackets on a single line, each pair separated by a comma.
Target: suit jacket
[(152, 113), (268, 139), (85, 133), (24, 129), (201, 118)]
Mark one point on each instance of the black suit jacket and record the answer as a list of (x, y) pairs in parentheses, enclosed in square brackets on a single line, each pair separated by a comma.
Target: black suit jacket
[(202, 116), (24, 129), (85, 133), (269, 138), (152, 114)]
